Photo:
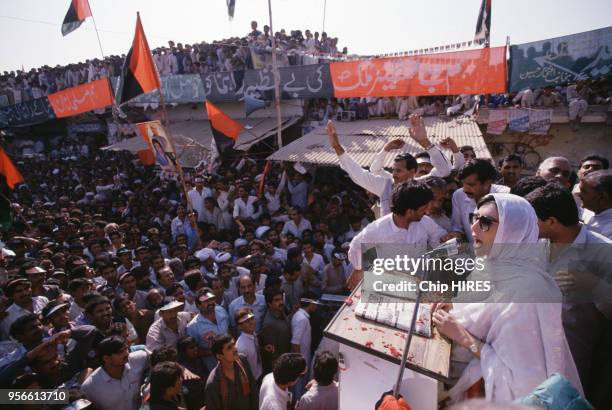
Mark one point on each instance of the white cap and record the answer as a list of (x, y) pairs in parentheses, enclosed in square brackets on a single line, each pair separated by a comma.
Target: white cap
[(261, 231), (299, 168), (171, 305), (223, 257), (205, 254), (240, 242)]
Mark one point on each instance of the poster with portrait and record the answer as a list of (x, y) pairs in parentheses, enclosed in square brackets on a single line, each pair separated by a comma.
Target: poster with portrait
[(155, 135)]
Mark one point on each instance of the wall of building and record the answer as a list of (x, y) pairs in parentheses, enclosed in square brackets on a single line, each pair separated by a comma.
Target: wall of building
[(560, 141)]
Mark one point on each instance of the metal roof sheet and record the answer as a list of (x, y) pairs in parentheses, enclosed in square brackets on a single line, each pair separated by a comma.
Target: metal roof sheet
[(364, 139)]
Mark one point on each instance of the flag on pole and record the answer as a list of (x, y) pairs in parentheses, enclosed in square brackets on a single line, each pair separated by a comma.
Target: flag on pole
[(77, 13), (225, 129), (231, 5), (139, 74), (9, 170), (483, 24), (263, 178)]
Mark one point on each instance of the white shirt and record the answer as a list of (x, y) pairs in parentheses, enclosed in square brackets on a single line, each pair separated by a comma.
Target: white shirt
[(274, 202), (301, 332), (380, 182), (246, 210), (248, 346), (463, 206), (600, 223), (419, 234), (272, 397), (108, 393), (75, 311), (317, 263), (197, 200), (296, 230), (14, 312)]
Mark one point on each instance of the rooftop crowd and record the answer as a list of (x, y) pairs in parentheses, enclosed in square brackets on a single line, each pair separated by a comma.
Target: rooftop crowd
[(254, 50), (114, 289)]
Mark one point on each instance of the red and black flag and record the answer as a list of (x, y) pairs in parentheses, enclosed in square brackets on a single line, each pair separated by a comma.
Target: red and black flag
[(225, 129), (8, 170), (139, 74), (483, 24), (77, 13)]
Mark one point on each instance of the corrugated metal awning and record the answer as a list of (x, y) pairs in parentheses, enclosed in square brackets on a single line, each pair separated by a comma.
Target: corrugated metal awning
[(256, 129), (364, 139)]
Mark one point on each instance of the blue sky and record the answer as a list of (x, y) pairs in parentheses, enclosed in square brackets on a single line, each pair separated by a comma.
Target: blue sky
[(365, 27)]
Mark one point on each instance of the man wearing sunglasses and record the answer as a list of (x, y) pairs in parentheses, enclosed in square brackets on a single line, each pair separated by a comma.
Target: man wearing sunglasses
[(477, 177)]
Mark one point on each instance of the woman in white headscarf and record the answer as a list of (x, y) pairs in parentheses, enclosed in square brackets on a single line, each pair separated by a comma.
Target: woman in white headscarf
[(512, 346)]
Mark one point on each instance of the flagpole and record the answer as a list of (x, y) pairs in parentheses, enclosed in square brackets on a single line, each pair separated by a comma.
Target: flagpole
[(178, 164), (96, 30), (276, 75)]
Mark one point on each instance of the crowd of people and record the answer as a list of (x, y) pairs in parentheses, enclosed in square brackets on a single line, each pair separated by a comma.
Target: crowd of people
[(127, 293), (254, 50), (575, 96)]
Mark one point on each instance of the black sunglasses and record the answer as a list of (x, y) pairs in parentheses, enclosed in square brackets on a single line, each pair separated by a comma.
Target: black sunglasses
[(484, 222)]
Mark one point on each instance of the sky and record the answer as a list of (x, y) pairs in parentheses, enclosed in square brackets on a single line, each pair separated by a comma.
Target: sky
[(30, 33)]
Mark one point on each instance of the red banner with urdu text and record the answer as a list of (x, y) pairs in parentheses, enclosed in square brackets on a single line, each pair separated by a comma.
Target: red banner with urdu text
[(481, 71), (83, 98)]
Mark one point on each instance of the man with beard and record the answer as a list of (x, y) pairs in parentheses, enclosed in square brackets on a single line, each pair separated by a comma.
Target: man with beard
[(170, 327), (99, 312), (212, 320), (20, 292), (275, 334), (510, 168), (477, 177), (116, 384), (250, 299)]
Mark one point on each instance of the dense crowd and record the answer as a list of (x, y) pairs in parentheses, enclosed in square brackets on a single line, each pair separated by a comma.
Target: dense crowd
[(575, 96), (119, 289), (254, 50)]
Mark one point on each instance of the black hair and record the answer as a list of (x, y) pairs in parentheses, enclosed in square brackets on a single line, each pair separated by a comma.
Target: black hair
[(163, 354), (110, 346), (325, 368), (291, 267), (219, 341), (481, 167), (19, 325), (192, 278), (510, 158), (605, 164), (410, 195), (527, 184), (435, 182), (464, 148), (96, 299), (408, 159), (485, 200), (173, 288), (553, 200), (163, 376), (601, 181), (183, 343), (288, 368), (269, 294), (292, 253)]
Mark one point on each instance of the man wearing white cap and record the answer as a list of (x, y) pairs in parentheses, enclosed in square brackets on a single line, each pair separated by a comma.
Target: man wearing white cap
[(334, 276), (247, 342), (207, 259), (196, 196), (212, 320), (170, 327)]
